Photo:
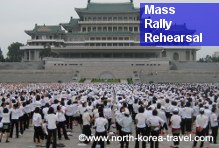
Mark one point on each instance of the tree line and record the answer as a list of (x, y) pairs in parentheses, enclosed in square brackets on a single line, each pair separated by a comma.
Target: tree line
[(14, 53), (209, 59)]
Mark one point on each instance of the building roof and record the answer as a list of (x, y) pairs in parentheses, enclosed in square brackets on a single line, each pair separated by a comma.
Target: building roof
[(108, 8), (73, 23), (54, 29)]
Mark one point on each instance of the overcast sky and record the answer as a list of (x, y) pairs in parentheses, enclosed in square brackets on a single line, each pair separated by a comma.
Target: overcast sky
[(19, 15)]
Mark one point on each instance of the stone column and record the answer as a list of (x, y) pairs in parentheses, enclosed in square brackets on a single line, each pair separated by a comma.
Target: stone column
[(29, 56)]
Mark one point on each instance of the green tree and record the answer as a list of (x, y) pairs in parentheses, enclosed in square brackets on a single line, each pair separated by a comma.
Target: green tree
[(1, 56), (209, 59), (14, 53)]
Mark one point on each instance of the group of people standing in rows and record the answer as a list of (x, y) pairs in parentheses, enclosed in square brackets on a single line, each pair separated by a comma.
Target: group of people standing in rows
[(143, 109)]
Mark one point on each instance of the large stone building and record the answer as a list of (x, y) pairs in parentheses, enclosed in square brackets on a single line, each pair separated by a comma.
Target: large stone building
[(104, 42)]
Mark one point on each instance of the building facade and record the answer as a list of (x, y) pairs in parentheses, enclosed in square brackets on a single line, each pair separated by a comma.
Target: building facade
[(103, 31)]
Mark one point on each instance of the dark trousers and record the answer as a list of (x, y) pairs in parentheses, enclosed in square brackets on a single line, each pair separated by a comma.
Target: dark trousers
[(21, 123), (69, 121), (37, 132), (26, 121), (188, 124), (176, 142), (154, 144), (202, 133), (51, 134), (109, 124), (130, 107), (14, 122), (86, 131), (183, 126), (125, 141), (118, 128), (214, 134), (133, 117), (168, 115), (207, 129), (61, 125), (143, 132), (101, 142)]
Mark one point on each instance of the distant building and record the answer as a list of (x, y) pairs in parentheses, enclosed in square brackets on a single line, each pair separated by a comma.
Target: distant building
[(105, 34)]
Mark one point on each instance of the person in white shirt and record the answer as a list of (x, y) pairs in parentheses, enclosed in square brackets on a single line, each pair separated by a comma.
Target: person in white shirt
[(188, 117), (182, 113), (208, 114), (37, 123), (69, 115), (21, 118), (155, 123), (45, 110), (201, 124), (175, 122), (25, 117), (60, 114), (214, 124), (52, 128), (162, 115), (101, 125), (82, 108), (140, 120), (135, 109), (126, 130), (107, 111), (15, 114), (86, 125), (6, 123), (118, 117), (76, 113)]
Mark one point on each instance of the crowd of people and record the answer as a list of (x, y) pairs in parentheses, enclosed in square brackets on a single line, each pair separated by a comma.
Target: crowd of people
[(132, 109)]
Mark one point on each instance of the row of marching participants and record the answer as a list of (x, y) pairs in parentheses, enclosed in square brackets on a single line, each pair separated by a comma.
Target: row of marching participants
[(181, 117)]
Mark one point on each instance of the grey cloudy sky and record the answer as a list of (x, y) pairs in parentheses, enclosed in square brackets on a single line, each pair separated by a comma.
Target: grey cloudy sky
[(19, 15)]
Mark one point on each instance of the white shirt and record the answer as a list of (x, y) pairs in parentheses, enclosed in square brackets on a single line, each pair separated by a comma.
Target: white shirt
[(75, 109), (107, 113), (155, 121), (162, 115), (54, 106), (176, 121), (141, 120), (15, 114), (60, 116), (201, 121), (45, 112), (51, 119), (100, 124), (126, 124), (188, 112), (86, 118), (37, 119), (213, 120), (135, 107), (69, 110), (6, 117), (208, 113)]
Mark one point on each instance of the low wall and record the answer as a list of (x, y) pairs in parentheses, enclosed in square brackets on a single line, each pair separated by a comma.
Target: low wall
[(21, 65), (10, 76), (182, 77), (35, 76)]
